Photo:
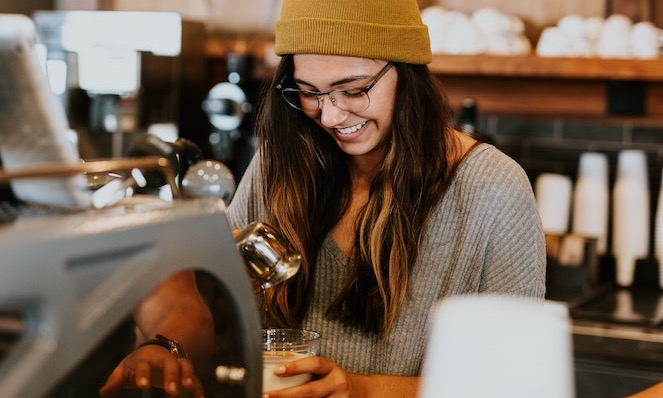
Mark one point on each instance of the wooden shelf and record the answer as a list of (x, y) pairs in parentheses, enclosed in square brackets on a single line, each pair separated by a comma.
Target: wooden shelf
[(531, 66), (553, 87)]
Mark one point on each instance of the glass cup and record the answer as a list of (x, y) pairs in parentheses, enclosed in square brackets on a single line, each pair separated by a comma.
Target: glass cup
[(281, 346)]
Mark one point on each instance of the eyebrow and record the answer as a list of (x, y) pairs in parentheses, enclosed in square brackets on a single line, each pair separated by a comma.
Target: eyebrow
[(345, 80)]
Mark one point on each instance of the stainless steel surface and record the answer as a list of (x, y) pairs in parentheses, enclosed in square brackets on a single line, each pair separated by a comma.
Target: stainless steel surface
[(209, 179), (76, 277), (95, 166)]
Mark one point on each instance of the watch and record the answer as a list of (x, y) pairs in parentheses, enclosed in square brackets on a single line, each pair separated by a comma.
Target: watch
[(173, 346)]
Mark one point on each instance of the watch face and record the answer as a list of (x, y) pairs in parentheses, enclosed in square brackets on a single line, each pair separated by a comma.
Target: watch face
[(177, 349), (172, 345)]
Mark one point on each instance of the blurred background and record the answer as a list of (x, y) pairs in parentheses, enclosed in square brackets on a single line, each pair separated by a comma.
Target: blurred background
[(546, 82)]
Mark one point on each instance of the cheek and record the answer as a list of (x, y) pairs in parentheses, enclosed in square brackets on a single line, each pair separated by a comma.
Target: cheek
[(383, 111), (384, 101)]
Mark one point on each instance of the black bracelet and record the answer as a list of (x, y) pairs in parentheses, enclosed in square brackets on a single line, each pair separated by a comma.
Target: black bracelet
[(173, 346)]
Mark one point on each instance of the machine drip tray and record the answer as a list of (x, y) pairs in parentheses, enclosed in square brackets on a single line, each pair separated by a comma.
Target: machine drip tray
[(637, 306)]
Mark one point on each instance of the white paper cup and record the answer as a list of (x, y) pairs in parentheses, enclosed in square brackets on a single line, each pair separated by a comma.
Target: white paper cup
[(553, 200), (658, 233), (631, 223), (281, 346), (493, 346), (591, 197)]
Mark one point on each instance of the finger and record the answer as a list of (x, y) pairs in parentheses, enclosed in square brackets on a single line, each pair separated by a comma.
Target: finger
[(117, 379), (314, 364), (196, 388), (187, 374), (171, 376), (142, 378)]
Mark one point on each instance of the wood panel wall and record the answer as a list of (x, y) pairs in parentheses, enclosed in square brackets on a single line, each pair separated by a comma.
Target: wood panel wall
[(638, 10)]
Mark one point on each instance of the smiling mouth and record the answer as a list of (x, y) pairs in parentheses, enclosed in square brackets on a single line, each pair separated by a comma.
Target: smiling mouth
[(351, 129)]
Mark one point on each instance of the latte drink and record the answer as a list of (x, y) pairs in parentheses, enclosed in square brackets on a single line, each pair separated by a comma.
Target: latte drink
[(273, 359)]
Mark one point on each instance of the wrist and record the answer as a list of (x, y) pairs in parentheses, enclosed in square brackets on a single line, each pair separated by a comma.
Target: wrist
[(173, 346), (359, 385)]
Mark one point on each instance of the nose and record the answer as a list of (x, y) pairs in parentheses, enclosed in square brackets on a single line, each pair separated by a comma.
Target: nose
[(330, 114)]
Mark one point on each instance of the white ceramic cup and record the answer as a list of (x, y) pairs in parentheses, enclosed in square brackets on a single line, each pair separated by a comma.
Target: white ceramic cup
[(552, 43), (281, 346), (614, 41), (644, 40)]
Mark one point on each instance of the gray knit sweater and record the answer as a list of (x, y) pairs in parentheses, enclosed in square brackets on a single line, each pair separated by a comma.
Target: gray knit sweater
[(485, 236)]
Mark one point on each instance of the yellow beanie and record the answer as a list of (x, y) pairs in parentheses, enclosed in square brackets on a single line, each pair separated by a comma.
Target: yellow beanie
[(377, 29)]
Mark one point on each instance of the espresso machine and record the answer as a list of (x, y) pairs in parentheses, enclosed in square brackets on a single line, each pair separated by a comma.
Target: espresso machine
[(73, 271), (99, 54), (70, 281)]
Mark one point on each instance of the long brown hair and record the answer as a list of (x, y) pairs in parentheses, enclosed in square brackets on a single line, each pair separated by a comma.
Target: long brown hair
[(307, 189)]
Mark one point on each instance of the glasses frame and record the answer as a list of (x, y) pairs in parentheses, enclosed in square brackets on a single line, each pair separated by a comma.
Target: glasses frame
[(320, 95)]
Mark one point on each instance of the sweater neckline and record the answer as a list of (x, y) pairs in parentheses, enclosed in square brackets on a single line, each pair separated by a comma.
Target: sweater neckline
[(330, 245)]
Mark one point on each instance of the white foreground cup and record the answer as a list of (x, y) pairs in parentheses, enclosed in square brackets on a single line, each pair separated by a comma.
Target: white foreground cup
[(281, 346), (496, 346)]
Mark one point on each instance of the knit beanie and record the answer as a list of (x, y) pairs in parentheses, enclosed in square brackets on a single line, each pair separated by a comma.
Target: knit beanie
[(390, 30)]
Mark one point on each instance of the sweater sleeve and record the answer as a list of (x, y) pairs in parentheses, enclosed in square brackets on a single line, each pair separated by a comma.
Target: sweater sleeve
[(247, 205), (486, 236), (515, 259)]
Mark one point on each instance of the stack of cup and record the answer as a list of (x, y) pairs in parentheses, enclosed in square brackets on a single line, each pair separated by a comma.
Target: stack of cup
[(553, 201), (630, 213), (591, 199), (658, 234)]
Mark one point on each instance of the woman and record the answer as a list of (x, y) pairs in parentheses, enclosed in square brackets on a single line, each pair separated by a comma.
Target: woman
[(393, 209)]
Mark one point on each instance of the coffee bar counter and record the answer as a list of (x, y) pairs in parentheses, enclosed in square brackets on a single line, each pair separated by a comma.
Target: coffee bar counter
[(618, 340)]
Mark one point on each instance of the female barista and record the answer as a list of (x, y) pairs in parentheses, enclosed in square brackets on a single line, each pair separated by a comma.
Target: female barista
[(359, 167)]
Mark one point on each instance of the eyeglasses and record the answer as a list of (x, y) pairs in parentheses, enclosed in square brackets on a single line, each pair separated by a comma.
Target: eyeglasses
[(347, 99)]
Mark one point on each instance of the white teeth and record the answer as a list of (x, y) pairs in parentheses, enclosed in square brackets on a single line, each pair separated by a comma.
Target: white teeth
[(351, 129)]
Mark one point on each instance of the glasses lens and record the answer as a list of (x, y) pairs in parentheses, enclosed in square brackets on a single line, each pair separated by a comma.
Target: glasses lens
[(351, 100), (291, 96)]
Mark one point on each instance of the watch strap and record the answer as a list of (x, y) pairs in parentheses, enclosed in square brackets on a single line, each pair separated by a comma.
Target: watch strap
[(173, 346)]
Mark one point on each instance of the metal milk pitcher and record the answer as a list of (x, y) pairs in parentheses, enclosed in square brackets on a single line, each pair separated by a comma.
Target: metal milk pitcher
[(268, 256)]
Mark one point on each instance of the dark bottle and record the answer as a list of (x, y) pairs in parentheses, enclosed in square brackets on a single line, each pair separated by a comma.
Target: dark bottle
[(467, 119)]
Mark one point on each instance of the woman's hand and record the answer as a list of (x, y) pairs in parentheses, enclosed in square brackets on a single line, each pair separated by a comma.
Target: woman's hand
[(153, 366), (330, 380)]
